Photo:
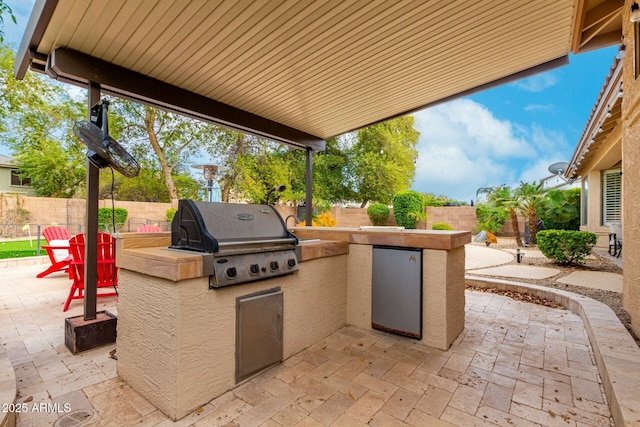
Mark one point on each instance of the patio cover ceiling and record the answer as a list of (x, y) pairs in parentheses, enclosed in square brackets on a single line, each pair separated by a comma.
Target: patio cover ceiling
[(299, 72)]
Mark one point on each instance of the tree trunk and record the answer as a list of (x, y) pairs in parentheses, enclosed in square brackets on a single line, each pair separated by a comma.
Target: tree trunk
[(516, 227), (230, 178), (533, 226), (364, 204), (149, 123)]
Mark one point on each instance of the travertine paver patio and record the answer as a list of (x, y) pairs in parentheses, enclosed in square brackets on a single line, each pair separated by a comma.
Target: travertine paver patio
[(515, 364)]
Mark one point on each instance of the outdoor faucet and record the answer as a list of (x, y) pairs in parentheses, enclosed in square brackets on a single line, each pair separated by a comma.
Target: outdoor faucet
[(295, 220)]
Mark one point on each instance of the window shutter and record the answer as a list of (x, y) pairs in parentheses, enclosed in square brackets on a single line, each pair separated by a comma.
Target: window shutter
[(612, 197)]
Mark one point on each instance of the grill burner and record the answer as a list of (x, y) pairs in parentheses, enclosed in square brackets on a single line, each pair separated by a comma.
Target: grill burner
[(248, 242)]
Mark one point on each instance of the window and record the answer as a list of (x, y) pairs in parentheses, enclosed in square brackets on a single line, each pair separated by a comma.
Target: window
[(611, 196), (17, 180), (584, 201)]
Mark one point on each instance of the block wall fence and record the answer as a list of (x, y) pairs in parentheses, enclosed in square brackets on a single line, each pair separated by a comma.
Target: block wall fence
[(45, 211)]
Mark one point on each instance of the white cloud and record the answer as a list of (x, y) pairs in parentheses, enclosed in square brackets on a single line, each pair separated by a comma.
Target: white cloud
[(474, 128), (537, 83), (549, 142), (539, 107), (463, 147)]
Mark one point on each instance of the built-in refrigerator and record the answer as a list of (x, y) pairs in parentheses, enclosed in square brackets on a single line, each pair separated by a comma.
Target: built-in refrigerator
[(396, 303)]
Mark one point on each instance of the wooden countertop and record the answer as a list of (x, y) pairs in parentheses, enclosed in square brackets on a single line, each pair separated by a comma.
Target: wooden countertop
[(426, 239), (149, 253)]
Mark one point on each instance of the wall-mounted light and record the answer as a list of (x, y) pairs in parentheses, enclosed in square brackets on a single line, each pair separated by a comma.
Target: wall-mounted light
[(621, 51), (634, 16), (620, 93), (600, 130), (608, 115)]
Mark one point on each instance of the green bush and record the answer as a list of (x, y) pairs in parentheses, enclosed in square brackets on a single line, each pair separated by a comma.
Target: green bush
[(378, 214), (408, 208), (441, 226), (106, 217), (566, 246), (490, 218), (562, 210), (170, 214)]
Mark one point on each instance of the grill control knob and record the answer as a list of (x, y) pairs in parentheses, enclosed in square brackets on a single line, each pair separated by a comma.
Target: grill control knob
[(230, 272), (291, 262), (274, 265), (254, 269)]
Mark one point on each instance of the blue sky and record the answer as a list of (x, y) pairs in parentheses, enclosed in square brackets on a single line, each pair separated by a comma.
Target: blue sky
[(504, 135)]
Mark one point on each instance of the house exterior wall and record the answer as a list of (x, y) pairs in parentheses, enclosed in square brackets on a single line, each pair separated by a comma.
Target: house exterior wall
[(631, 177), (607, 157), (5, 183)]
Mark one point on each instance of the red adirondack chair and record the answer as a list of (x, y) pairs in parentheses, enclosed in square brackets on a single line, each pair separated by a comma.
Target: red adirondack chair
[(107, 272), (149, 228), (57, 249)]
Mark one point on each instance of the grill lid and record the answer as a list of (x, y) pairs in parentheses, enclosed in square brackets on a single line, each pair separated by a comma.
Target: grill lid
[(211, 226)]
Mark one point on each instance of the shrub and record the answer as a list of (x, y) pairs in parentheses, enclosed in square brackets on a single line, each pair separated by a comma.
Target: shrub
[(107, 216), (566, 246), (325, 219), (490, 218), (170, 214), (408, 208), (378, 214), (441, 226)]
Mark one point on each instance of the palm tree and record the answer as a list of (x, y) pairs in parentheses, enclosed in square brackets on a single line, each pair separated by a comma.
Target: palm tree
[(504, 197), (531, 197)]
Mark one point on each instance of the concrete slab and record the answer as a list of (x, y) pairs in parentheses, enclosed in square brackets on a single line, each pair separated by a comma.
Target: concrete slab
[(477, 256), (517, 271), (595, 280)]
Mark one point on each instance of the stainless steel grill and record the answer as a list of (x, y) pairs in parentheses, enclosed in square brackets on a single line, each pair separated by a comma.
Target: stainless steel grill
[(240, 242)]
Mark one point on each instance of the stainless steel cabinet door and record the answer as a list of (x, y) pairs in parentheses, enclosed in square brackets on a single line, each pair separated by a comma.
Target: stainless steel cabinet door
[(259, 332), (397, 291)]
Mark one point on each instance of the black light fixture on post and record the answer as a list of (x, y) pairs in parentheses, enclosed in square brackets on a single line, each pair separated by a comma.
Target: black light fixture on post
[(634, 16)]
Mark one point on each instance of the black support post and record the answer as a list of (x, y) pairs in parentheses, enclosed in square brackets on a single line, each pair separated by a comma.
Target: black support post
[(309, 199), (91, 225)]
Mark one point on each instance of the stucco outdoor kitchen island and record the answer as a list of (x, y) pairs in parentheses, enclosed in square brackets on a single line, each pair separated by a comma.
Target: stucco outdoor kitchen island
[(177, 340)]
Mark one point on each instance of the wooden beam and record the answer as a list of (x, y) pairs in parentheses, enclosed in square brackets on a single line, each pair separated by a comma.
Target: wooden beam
[(595, 32), (600, 41), (77, 68), (38, 22), (602, 13)]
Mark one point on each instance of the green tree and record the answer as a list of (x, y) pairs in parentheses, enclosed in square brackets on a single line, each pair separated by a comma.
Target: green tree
[(505, 198), (382, 160), (531, 198), (266, 166), (408, 208), (562, 210), (5, 10), (330, 172), (229, 148), (490, 218), (148, 186), (163, 141), (36, 119)]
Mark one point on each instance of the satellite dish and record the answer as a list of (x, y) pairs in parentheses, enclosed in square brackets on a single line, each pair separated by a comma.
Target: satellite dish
[(558, 168), (103, 150)]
